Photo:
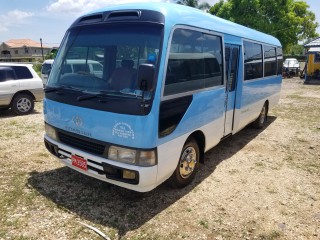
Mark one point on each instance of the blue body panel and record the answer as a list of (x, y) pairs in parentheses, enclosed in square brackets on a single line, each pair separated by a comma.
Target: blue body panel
[(254, 91), (119, 129), (206, 107)]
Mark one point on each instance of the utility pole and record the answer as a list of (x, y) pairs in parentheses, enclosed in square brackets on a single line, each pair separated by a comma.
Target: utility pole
[(41, 49)]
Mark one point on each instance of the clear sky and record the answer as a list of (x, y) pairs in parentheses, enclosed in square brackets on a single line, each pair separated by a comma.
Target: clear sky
[(49, 19)]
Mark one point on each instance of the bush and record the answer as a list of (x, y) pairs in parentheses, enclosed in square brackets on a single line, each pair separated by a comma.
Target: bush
[(37, 68)]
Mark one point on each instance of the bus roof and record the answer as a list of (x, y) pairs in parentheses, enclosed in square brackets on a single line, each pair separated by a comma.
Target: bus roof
[(179, 14)]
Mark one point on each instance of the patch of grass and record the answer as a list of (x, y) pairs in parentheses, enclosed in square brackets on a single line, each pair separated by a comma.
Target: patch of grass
[(259, 164), (295, 96), (23, 238), (204, 223), (311, 167), (13, 122), (270, 236), (289, 158), (302, 140), (43, 154), (233, 171), (271, 190)]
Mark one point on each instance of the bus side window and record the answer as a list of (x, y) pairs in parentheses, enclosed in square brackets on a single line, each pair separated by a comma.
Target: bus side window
[(194, 62), (279, 61), (252, 60)]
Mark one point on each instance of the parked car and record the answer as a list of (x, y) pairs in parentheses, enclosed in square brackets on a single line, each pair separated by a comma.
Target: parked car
[(45, 70), (82, 65), (291, 66), (20, 87)]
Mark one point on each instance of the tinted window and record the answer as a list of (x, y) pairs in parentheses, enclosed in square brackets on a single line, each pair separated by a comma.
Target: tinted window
[(233, 69), (22, 72), (316, 57), (106, 58), (46, 67), (195, 62), (227, 59), (252, 60), (279, 60), (6, 74), (270, 61)]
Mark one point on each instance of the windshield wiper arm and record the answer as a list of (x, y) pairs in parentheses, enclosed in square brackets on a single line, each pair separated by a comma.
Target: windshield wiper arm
[(48, 90), (91, 96), (61, 87), (86, 97)]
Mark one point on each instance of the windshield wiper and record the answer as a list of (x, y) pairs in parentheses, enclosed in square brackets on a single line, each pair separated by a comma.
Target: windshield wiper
[(59, 88), (48, 90), (92, 95), (137, 93)]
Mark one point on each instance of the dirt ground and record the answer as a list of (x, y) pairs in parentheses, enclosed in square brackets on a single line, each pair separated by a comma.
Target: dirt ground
[(254, 185)]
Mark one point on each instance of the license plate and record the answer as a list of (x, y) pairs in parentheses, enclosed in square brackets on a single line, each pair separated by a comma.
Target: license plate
[(79, 162)]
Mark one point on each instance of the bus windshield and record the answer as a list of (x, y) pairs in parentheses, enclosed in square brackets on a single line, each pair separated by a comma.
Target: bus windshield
[(105, 59)]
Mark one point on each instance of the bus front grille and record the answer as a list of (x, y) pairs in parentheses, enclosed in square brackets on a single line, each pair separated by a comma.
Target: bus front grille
[(85, 145)]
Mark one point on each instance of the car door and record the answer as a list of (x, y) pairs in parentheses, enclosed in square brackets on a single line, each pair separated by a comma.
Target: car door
[(9, 85), (25, 78)]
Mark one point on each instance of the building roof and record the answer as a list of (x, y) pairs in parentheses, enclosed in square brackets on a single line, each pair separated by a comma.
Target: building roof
[(314, 49), (313, 43), (18, 43)]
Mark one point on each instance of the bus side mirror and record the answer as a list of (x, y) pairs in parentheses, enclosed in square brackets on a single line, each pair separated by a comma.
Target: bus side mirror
[(146, 74)]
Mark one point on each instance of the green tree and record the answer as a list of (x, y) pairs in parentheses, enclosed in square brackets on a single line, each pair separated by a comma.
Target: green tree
[(190, 3), (288, 20), (194, 3), (296, 50)]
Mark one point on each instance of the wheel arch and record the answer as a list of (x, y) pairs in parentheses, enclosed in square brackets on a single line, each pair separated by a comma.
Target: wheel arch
[(23, 92), (267, 106), (199, 137)]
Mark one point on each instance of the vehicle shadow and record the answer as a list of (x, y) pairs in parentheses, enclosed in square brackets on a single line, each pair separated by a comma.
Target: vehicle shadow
[(8, 113), (312, 82), (125, 210)]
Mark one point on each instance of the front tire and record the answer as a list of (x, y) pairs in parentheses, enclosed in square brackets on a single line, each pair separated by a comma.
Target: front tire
[(187, 166), (262, 119), (22, 104)]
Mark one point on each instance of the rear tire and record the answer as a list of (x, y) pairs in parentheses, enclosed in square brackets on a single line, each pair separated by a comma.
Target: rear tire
[(22, 104), (187, 166), (262, 119)]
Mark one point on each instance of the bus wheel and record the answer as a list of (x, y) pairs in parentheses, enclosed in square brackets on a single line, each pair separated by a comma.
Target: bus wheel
[(262, 119), (187, 165)]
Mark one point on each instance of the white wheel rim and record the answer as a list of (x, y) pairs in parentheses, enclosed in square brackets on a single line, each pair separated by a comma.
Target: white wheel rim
[(24, 104)]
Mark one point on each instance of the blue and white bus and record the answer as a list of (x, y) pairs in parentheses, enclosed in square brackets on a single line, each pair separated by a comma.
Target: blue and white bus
[(169, 83)]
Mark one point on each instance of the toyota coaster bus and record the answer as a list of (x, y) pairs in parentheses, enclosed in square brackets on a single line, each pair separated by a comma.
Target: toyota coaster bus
[(171, 83)]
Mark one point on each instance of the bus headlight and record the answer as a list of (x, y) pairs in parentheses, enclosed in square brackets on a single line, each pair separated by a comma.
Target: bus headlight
[(131, 156), (51, 132), (122, 154)]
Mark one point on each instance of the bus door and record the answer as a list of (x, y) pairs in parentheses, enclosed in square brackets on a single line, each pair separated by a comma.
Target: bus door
[(232, 60)]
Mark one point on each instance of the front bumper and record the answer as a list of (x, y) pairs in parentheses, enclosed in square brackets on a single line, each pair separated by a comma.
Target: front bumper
[(105, 169)]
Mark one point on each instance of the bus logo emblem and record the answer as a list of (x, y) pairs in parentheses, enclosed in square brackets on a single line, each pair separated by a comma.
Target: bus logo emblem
[(77, 121)]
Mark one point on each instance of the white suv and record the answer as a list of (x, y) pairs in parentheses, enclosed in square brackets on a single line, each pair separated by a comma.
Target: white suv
[(20, 87)]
